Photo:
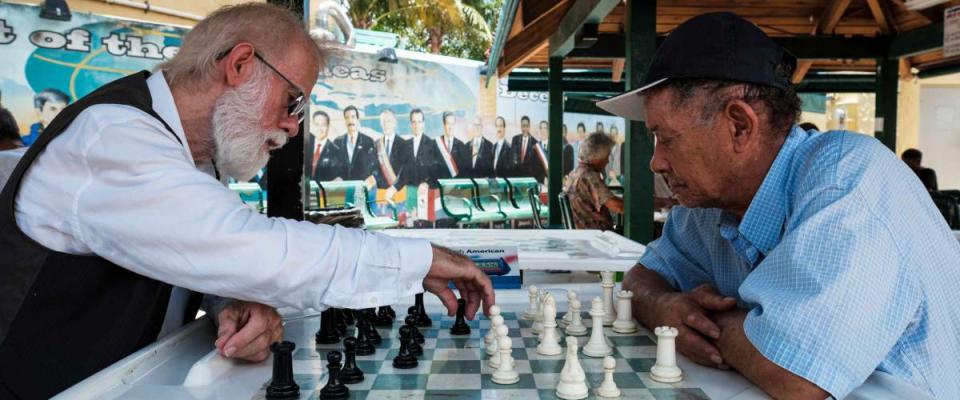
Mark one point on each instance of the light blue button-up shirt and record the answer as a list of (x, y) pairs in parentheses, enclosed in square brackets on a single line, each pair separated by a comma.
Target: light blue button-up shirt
[(843, 261)]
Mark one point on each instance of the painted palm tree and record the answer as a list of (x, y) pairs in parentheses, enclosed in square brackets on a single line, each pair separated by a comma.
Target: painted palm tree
[(437, 19)]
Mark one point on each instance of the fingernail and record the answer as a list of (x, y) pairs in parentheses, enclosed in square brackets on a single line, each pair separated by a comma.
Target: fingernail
[(229, 352), (715, 334), (716, 359)]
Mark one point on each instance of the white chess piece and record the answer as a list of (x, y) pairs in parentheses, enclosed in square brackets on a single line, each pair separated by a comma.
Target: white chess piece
[(537, 326), (505, 373), (553, 302), (624, 322), (576, 326), (496, 361), (533, 309), (597, 345), (608, 388), (491, 334), (606, 281), (548, 344), (571, 296), (573, 381), (666, 369), (496, 321)]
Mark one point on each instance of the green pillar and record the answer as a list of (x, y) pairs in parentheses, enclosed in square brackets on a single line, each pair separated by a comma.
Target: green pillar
[(641, 35), (888, 80), (555, 144)]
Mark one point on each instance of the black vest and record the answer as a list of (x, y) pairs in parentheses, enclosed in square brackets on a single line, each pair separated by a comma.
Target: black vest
[(64, 317)]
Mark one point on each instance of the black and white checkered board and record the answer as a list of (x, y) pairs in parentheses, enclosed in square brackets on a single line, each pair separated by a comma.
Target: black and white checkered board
[(455, 367)]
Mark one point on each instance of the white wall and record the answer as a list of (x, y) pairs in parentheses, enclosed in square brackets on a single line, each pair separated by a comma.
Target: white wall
[(939, 134)]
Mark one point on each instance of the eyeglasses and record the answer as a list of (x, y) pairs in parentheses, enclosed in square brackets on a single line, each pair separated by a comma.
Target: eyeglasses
[(297, 104)]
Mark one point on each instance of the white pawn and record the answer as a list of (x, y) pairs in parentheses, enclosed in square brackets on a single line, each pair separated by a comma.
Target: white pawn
[(666, 369), (549, 345), (597, 345), (553, 302), (537, 326), (624, 322), (533, 308), (505, 373), (576, 326), (609, 315), (496, 321), (495, 361), (608, 388), (571, 296), (573, 381), (492, 334)]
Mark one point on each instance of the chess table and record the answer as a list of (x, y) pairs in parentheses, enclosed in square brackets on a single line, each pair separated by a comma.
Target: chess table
[(452, 367)]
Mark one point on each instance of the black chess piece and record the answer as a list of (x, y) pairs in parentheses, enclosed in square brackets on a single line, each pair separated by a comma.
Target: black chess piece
[(341, 322), (347, 315), (411, 321), (328, 333), (282, 386), (404, 359), (372, 334), (460, 326), (335, 389), (393, 314), (364, 347), (423, 320), (415, 347), (350, 373), (384, 318)]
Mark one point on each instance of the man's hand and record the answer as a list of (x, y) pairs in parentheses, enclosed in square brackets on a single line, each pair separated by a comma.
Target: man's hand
[(247, 330), (474, 285), (688, 313)]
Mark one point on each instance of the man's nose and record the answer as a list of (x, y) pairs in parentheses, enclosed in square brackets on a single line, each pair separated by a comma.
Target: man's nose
[(291, 125)]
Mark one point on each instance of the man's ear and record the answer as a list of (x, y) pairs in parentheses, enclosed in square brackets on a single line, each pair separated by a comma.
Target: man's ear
[(746, 124), (237, 65)]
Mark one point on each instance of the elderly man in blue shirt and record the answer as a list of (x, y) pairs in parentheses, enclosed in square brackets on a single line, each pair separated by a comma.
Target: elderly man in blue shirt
[(813, 264)]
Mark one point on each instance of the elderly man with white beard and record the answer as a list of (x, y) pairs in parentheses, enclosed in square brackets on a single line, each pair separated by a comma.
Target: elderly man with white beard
[(119, 211)]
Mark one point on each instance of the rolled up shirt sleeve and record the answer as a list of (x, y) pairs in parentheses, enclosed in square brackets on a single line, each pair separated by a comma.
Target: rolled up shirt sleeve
[(676, 255), (829, 304), (145, 207)]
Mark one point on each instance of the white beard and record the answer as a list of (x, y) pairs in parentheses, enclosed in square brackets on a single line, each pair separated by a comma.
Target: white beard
[(237, 132)]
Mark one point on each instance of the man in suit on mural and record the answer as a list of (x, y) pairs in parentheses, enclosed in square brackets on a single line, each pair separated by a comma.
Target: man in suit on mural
[(393, 154), (502, 155), (569, 151), (425, 163), (479, 162), (525, 153), (452, 151), (358, 149), (324, 162)]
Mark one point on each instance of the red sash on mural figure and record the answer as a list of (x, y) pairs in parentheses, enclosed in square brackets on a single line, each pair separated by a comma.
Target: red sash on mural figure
[(386, 168), (447, 158)]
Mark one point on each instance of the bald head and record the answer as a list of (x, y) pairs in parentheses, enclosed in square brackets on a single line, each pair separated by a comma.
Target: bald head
[(273, 31)]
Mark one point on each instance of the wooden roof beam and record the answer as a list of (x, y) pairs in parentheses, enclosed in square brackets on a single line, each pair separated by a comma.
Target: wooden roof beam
[(582, 11), (532, 38), (881, 12), (803, 66), (831, 16)]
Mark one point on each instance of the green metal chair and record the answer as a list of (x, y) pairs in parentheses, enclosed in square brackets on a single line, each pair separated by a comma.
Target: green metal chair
[(353, 194), (566, 212), (520, 187), (488, 201), (250, 194), (500, 188), (457, 197)]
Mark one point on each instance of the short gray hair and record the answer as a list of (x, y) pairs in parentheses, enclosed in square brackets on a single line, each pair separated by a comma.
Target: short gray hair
[(594, 145), (270, 28)]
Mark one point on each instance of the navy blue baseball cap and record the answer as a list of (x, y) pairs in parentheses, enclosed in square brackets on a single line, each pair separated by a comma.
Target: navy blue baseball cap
[(720, 46)]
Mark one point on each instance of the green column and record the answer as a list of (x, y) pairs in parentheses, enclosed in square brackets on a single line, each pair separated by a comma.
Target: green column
[(888, 81), (555, 144), (641, 35)]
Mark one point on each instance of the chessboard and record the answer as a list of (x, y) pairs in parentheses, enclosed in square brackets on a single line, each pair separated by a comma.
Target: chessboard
[(455, 367)]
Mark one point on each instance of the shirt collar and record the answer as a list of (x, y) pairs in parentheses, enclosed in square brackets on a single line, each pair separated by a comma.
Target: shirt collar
[(763, 222), (166, 108)]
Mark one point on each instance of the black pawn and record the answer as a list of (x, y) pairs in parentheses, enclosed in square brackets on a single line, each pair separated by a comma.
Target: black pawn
[(282, 385), (372, 334), (415, 347), (423, 320), (411, 321), (384, 318), (334, 390), (393, 314), (350, 373), (460, 326), (404, 359), (341, 322), (364, 347), (328, 333)]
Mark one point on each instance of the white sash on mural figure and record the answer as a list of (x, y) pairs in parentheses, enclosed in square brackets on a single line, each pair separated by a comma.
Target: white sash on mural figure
[(447, 158), (385, 166)]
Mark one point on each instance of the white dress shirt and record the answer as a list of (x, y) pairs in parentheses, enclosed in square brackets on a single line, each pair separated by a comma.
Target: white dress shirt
[(118, 185)]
